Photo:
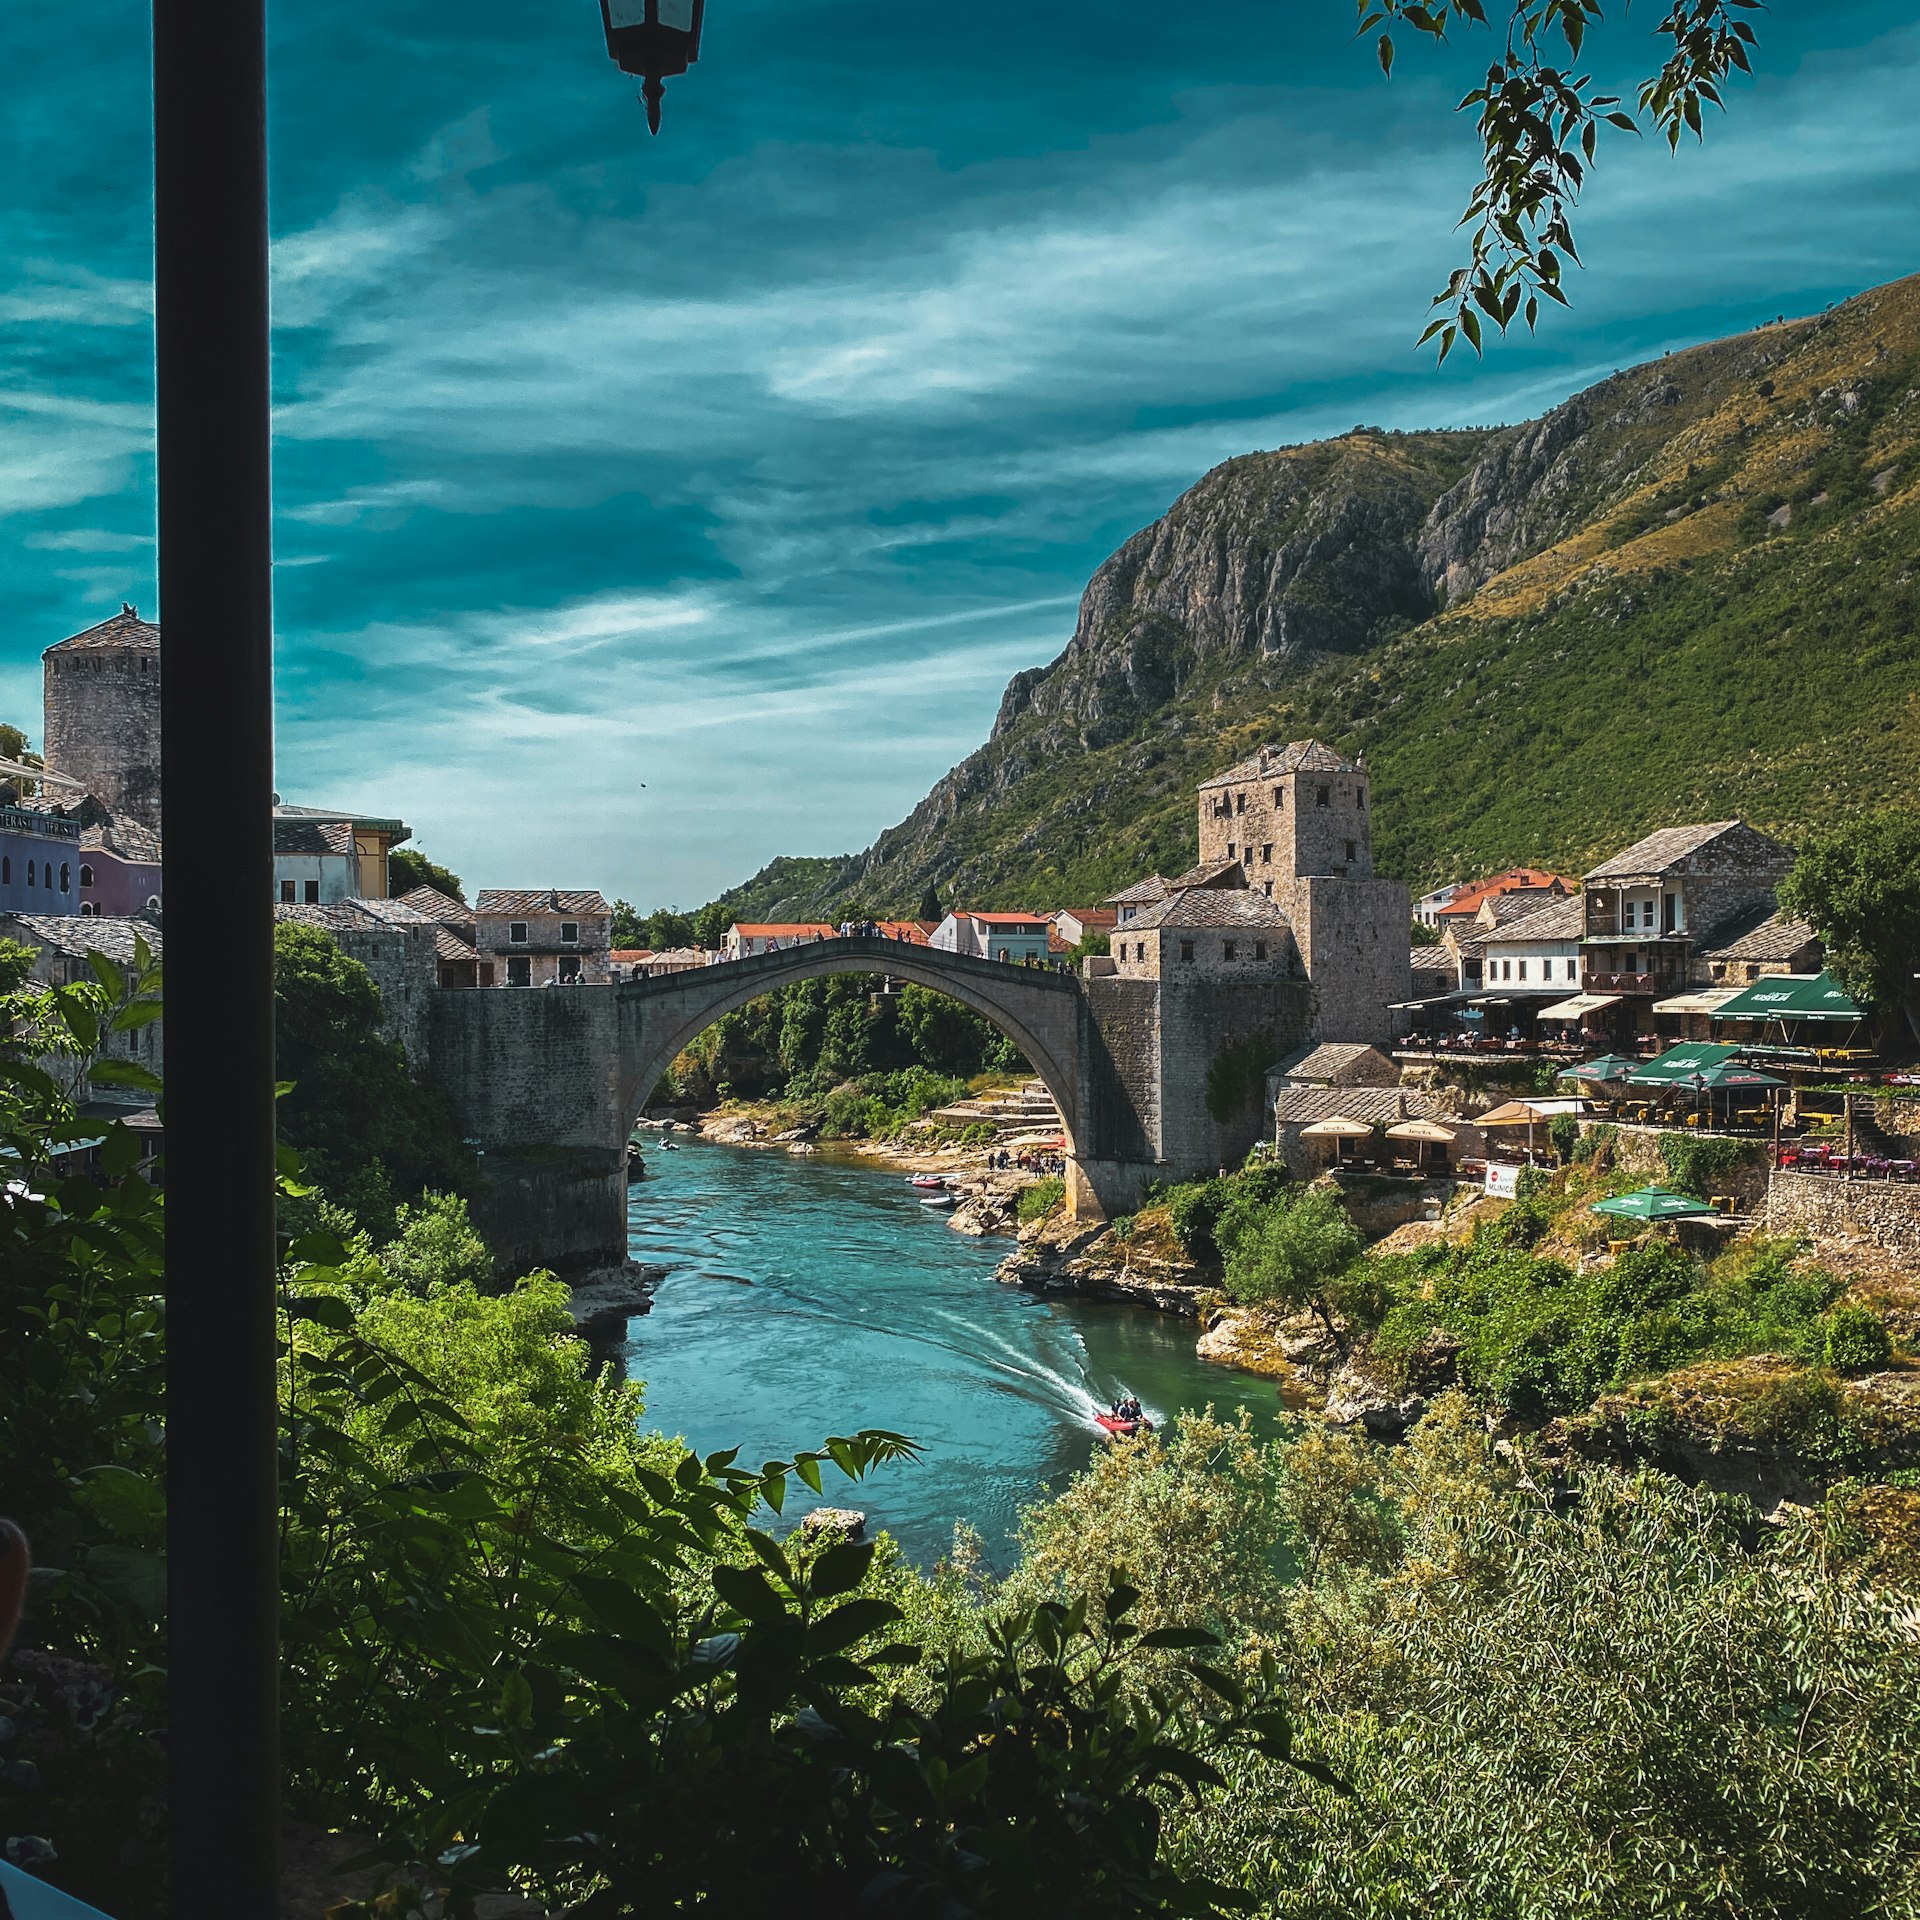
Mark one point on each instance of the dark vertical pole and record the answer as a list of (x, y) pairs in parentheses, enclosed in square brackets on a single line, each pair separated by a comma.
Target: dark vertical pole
[(210, 299)]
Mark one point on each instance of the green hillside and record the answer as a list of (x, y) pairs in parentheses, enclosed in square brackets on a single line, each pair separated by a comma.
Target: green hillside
[(1687, 593)]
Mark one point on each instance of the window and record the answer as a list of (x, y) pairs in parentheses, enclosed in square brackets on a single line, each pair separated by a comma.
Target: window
[(517, 932), (1259, 949), (1239, 803), (89, 909), (1266, 854), (311, 893), (1523, 969), (1506, 969), (1353, 850), (86, 874), (66, 877), (289, 892), (6, 870), (1139, 949), (519, 970), (153, 903), (1269, 889), (1323, 796), (486, 973), (1280, 799), (30, 872), (1232, 952), (1360, 798), (569, 966), (1186, 949), (570, 931), (1232, 852)]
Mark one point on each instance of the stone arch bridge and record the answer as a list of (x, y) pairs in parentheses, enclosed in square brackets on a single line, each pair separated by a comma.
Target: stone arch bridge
[(550, 1083)]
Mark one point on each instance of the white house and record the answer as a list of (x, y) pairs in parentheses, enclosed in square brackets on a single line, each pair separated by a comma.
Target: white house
[(1535, 955), (1014, 937)]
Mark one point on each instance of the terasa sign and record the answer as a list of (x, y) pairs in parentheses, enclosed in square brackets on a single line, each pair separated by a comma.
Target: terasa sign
[(655, 39)]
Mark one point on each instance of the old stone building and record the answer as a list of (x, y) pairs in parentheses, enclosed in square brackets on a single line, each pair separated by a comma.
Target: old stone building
[(62, 945), (101, 714), (119, 862), (543, 936), (1299, 822), (396, 946), (1202, 933)]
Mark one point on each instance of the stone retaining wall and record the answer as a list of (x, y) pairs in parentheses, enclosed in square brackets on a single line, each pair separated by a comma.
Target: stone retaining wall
[(1887, 1212)]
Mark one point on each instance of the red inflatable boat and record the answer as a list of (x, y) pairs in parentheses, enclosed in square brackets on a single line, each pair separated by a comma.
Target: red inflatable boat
[(1111, 1426)]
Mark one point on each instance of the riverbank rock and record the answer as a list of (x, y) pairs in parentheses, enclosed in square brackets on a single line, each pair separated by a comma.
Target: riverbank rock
[(731, 1129), (984, 1212), (837, 1523), (1356, 1398), (1090, 1264), (603, 1301), (1290, 1348)]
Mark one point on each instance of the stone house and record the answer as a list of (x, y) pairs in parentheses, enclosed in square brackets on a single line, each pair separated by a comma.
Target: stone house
[(1203, 933), (1136, 898), (1530, 963), (1299, 821), (1337, 1063), (456, 958), (1767, 942), (322, 855), (1019, 938), (62, 944), (543, 936), (1655, 910), (1296, 1107)]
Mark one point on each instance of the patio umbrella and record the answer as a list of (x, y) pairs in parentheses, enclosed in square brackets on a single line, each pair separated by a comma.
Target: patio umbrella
[(1609, 1066), (1729, 1073), (1423, 1133), (1653, 1203), (1339, 1129)]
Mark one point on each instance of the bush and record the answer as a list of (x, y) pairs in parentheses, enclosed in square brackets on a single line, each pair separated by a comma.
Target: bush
[(1041, 1200), (1697, 1163), (1856, 1339), (1564, 1132), (1291, 1253), (1194, 1211)]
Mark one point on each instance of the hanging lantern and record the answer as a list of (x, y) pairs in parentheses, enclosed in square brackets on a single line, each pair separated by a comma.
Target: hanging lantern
[(655, 39)]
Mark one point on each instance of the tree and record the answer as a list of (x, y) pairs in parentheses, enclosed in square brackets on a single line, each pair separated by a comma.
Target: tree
[(930, 907), (1289, 1253), (372, 1132), (1539, 127), (629, 929), (16, 965), (1858, 886), (408, 867)]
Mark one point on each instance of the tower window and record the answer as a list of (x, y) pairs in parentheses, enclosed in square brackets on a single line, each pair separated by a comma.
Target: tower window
[(1259, 949), (1353, 850), (1322, 796), (1280, 799), (1360, 798), (1232, 951), (1231, 850), (66, 877), (6, 870), (1186, 949), (1266, 854), (1269, 889), (30, 873), (1239, 803)]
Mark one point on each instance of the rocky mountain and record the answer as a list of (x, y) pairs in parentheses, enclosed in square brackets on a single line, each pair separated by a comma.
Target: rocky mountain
[(1688, 592)]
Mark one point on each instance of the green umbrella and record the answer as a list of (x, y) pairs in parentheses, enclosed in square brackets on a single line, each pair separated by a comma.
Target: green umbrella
[(1653, 1203), (1610, 1066), (1730, 1073)]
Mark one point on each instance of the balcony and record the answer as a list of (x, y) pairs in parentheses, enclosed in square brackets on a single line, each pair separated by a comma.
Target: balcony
[(1665, 981)]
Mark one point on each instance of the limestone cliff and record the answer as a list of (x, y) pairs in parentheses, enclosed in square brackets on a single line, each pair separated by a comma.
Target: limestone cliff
[(1686, 592)]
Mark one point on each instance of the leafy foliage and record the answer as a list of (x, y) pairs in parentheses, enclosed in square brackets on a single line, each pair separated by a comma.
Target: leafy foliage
[(1859, 887), (1703, 1163), (1539, 126), (408, 867), (370, 1131), (1041, 1200), (1292, 1253)]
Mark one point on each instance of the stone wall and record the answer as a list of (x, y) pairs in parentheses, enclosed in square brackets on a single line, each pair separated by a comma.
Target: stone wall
[(1352, 936), (1637, 1150), (535, 1080), (101, 720), (405, 969), (1200, 1022), (1886, 1212)]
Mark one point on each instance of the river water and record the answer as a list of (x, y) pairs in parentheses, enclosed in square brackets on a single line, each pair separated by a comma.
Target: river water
[(811, 1296)]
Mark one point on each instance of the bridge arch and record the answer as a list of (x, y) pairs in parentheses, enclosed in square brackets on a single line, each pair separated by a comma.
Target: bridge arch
[(1042, 1012)]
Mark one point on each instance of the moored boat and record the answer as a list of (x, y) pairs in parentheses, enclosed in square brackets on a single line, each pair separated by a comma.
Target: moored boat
[(938, 1202)]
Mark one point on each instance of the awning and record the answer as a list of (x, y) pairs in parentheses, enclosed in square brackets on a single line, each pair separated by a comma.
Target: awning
[(1792, 996), (1607, 1068), (1580, 1005), (1707, 1000), (1432, 1000), (1679, 1064), (1527, 1113)]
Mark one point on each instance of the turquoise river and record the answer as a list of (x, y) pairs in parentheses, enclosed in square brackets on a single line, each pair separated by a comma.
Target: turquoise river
[(811, 1296)]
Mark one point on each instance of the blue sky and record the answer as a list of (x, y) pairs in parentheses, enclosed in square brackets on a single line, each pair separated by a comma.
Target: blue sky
[(750, 462)]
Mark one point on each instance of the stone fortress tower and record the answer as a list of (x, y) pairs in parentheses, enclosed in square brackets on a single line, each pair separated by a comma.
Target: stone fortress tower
[(102, 714), (1299, 821)]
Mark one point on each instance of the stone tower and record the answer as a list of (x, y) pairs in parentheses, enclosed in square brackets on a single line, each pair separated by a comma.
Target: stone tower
[(102, 714), (1299, 820)]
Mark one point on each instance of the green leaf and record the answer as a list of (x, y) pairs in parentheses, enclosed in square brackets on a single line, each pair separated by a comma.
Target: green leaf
[(745, 1589), (845, 1625), (1180, 1639), (840, 1569)]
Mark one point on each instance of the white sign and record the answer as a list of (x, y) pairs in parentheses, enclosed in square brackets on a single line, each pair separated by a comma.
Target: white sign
[(1503, 1181)]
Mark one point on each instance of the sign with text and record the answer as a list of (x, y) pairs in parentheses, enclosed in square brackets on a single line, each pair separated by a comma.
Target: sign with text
[(1503, 1182)]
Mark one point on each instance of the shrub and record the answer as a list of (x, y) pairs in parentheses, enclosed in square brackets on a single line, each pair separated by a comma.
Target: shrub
[(1856, 1339), (1696, 1163), (1564, 1132), (1289, 1253), (1042, 1200), (1194, 1211)]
